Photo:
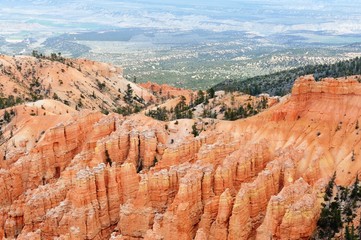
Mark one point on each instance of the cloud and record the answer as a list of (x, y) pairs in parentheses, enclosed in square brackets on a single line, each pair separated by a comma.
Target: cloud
[(261, 17)]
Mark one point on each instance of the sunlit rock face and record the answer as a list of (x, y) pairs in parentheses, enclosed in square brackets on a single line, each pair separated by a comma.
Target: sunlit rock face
[(84, 175)]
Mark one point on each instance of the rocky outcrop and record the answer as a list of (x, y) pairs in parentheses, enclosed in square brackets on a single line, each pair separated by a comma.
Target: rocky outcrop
[(296, 204), (167, 91), (219, 228), (308, 86), (90, 176)]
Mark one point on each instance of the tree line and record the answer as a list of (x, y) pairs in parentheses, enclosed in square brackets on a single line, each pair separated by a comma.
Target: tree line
[(280, 83)]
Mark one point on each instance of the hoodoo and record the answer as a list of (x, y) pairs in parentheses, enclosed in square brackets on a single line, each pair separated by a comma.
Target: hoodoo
[(84, 175)]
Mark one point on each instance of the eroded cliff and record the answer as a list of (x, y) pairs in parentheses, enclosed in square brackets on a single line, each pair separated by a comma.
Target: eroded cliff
[(91, 176)]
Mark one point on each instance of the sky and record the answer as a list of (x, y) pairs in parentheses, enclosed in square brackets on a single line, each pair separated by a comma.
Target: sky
[(260, 17)]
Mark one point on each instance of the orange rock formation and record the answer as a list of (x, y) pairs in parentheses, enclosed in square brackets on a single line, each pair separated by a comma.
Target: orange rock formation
[(70, 175)]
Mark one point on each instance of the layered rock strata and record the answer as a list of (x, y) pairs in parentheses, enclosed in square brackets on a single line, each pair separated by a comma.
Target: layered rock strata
[(91, 176)]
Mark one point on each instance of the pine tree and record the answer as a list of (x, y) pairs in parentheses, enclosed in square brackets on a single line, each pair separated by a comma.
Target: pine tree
[(128, 98), (180, 109), (353, 236), (7, 116), (195, 130), (330, 220), (355, 188), (329, 188), (211, 93), (347, 234), (200, 98)]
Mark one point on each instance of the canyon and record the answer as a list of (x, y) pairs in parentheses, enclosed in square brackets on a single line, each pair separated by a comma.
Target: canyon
[(67, 173)]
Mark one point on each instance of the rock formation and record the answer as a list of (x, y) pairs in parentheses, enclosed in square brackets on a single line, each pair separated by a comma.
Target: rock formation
[(84, 175)]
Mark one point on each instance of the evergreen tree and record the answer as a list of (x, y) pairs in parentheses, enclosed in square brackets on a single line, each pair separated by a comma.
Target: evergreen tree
[(211, 93), (329, 188), (355, 188), (159, 114), (195, 130), (330, 220), (347, 234), (7, 116), (200, 97), (128, 97), (353, 236), (181, 108)]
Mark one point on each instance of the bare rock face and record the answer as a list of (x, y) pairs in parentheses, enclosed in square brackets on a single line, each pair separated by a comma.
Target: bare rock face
[(166, 90), (296, 204), (219, 228), (307, 86), (84, 175)]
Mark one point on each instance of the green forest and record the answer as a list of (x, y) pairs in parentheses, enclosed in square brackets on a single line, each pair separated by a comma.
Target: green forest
[(280, 83)]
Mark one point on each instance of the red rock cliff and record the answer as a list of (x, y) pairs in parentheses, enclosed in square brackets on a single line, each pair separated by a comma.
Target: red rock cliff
[(91, 176)]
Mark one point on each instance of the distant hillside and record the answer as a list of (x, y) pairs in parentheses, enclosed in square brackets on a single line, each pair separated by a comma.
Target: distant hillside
[(78, 83), (280, 83)]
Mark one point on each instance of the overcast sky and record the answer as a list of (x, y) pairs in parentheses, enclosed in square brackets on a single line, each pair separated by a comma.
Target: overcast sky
[(262, 17)]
